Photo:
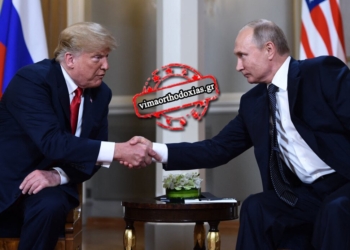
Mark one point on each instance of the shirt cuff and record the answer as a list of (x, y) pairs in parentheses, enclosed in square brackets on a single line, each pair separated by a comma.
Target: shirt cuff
[(162, 150), (63, 175), (105, 156)]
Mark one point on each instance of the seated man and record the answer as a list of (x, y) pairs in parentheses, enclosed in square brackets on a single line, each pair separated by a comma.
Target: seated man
[(297, 118), (53, 123)]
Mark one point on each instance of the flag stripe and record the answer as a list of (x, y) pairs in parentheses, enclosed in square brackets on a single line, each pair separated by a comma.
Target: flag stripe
[(318, 47), (321, 29), (35, 41), (305, 42), (17, 54), (17, 49), (2, 62), (321, 25), (338, 22)]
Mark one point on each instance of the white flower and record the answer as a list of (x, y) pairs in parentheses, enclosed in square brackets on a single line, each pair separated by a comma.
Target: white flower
[(182, 181)]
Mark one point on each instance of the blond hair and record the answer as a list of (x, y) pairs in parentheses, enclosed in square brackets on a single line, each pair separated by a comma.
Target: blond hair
[(84, 37)]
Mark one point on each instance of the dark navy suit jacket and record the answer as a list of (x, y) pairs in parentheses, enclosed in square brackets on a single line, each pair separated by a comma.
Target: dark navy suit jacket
[(319, 102), (35, 129)]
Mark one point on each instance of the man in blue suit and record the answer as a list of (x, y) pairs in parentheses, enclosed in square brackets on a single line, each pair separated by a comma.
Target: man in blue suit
[(43, 153), (308, 205)]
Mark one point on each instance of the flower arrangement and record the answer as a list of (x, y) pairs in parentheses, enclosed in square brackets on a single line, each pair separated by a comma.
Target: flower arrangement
[(185, 181)]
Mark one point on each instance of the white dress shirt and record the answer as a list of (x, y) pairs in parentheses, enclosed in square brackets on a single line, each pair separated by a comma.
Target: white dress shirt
[(295, 152), (106, 153)]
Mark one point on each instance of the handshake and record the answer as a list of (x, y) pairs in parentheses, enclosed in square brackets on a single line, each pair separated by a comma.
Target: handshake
[(135, 153)]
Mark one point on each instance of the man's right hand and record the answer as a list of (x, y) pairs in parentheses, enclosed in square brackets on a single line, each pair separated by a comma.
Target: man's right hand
[(137, 152)]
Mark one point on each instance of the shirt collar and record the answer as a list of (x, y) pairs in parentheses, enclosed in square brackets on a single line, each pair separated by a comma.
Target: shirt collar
[(281, 77), (69, 81)]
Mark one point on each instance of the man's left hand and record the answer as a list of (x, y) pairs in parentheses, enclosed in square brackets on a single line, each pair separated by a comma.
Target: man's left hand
[(38, 180)]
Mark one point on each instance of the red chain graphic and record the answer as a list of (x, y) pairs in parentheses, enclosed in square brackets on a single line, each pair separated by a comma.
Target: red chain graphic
[(193, 84)]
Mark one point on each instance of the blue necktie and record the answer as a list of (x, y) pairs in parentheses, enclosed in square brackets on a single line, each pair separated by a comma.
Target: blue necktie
[(279, 181)]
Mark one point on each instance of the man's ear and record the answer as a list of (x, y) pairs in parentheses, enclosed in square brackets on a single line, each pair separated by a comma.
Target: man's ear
[(69, 60), (270, 49)]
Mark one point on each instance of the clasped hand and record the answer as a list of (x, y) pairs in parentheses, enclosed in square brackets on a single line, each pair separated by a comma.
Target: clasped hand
[(135, 153)]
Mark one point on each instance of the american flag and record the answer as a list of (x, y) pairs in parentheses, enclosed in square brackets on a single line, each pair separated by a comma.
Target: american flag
[(321, 29)]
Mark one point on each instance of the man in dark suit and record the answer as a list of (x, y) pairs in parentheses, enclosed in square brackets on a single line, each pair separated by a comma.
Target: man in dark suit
[(45, 150), (305, 166)]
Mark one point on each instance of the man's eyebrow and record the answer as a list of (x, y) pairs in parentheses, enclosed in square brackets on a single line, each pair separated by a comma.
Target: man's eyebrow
[(100, 54)]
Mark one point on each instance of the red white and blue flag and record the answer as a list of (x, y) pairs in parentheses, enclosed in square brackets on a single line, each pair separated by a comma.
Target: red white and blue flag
[(322, 29), (22, 37)]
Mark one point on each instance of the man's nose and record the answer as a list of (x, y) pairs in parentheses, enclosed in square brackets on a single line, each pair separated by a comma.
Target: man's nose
[(239, 65), (105, 65)]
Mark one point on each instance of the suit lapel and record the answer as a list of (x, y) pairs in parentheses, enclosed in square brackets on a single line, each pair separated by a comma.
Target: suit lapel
[(293, 84), (261, 133), (261, 115), (57, 80), (295, 90), (62, 89), (87, 115)]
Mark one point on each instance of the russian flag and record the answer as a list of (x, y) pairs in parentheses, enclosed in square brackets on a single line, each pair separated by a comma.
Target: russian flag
[(22, 37), (322, 29)]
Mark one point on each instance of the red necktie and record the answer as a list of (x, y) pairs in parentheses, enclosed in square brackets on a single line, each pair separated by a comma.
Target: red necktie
[(74, 109)]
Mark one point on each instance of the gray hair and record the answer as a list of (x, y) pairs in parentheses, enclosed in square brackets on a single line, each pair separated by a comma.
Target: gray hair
[(265, 31), (84, 36)]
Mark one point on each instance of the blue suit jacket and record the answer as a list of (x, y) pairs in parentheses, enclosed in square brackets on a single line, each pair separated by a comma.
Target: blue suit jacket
[(319, 100), (35, 129)]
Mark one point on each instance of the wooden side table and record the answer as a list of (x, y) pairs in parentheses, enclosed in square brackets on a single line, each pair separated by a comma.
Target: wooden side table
[(158, 211)]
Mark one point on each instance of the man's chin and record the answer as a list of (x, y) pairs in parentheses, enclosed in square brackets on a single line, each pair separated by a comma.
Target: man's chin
[(97, 83), (251, 81), (93, 85)]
